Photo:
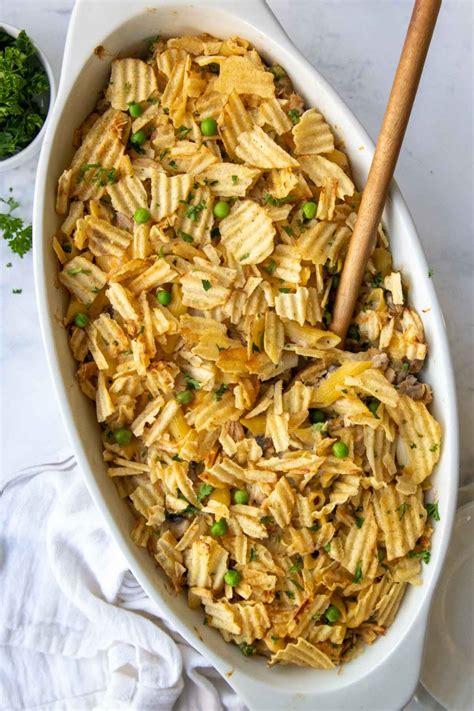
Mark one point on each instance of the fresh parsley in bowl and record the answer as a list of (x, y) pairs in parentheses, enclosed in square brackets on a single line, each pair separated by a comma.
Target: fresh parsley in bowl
[(26, 94)]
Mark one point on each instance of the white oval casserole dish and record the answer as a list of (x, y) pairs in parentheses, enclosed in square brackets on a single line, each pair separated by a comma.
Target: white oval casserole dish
[(385, 675)]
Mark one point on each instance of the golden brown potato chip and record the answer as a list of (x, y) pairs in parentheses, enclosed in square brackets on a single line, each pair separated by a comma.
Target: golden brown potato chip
[(312, 134), (247, 233), (229, 179), (130, 80), (240, 74), (258, 149), (167, 193), (320, 169)]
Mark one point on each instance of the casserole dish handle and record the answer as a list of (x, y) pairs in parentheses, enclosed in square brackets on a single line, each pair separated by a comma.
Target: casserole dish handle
[(97, 14)]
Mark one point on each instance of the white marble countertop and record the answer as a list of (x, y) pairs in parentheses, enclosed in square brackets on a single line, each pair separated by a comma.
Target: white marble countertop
[(355, 44)]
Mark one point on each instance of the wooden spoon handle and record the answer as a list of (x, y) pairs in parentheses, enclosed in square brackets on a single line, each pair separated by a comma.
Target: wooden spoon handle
[(402, 96)]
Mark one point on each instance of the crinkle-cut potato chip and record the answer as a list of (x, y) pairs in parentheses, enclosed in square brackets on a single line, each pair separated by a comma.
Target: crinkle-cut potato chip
[(130, 80), (189, 157), (167, 193), (270, 112), (257, 149), (229, 179), (293, 305), (240, 74), (312, 134), (281, 182), (323, 242), (127, 195), (195, 215), (304, 654), (206, 340), (83, 279), (401, 518), (320, 169), (247, 233), (235, 120), (103, 238), (420, 434), (98, 157)]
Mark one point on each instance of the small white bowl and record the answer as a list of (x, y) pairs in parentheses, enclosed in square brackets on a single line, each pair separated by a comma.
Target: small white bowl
[(32, 148)]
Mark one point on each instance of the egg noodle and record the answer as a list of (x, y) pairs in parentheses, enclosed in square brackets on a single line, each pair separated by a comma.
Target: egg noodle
[(276, 478)]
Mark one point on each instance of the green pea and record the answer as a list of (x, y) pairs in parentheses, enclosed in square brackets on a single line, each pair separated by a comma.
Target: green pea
[(221, 209), (316, 416), (122, 436), (232, 578), (141, 215), (373, 405), (241, 496), (340, 450), (219, 528), (209, 127), (309, 209), (138, 138), (81, 320), (163, 297), (134, 109), (332, 614), (184, 397)]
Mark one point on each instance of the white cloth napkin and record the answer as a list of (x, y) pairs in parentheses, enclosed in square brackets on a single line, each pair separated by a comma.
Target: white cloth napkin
[(77, 631)]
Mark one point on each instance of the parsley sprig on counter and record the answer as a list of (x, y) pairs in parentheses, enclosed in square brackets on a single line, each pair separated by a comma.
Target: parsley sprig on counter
[(22, 82), (18, 235)]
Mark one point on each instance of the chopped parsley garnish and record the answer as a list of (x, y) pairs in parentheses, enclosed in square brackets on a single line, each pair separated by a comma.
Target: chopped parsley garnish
[(433, 511), (18, 235), (164, 153), (206, 284), (204, 490), (377, 280), (235, 179), (294, 115), (358, 573), (184, 236), (359, 521), (255, 348), (327, 547), (402, 509), (247, 649), (297, 565), (296, 584), (183, 131), (288, 230), (290, 594), (244, 256), (271, 267), (412, 445), (284, 290), (23, 84), (220, 391), (73, 271), (434, 447), (424, 555), (253, 554), (430, 273), (17, 291), (277, 71), (266, 520), (191, 382), (100, 177), (276, 202), (193, 211), (172, 164)]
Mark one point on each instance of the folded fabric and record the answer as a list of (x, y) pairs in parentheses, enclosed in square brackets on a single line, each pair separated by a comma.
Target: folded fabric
[(77, 631)]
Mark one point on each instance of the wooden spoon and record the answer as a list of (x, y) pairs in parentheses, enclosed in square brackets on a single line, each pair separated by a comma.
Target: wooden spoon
[(402, 96)]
